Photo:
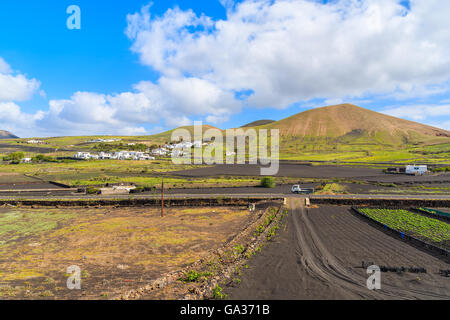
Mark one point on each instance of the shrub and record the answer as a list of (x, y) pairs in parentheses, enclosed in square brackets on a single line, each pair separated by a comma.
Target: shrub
[(218, 294), (194, 276), (92, 190), (268, 182), (43, 158), (14, 157), (238, 249), (137, 190)]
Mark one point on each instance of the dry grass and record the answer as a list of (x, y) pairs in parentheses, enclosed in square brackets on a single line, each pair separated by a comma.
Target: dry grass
[(116, 248)]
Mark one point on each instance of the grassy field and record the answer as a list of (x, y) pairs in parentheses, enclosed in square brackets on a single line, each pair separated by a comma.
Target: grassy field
[(320, 150), (116, 249), (101, 172), (331, 189), (97, 172)]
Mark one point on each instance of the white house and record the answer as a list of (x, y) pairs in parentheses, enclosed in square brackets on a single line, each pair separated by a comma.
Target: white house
[(117, 190), (121, 155), (160, 152), (82, 155), (103, 140), (416, 170), (105, 155)]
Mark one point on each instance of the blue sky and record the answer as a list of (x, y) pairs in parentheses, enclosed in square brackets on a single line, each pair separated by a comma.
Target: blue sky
[(224, 62)]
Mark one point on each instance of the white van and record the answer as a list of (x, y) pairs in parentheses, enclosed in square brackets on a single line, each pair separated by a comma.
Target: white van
[(297, 189)]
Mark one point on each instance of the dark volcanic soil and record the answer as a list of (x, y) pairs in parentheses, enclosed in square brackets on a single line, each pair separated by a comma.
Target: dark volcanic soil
[(8, 147), (309, 171), (29, 186), (318, 255)]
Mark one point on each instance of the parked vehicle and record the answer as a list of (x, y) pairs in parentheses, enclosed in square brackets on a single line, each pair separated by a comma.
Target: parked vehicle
[(299, 190), (416, 170)]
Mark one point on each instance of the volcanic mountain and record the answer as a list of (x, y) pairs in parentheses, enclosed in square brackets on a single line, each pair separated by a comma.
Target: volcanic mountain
[(7, 135), (347, 123)]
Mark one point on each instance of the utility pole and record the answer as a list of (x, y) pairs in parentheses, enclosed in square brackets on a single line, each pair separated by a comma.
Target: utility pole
[(162, 198)]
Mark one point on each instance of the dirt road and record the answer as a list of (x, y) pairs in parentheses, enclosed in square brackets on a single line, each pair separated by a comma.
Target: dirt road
[(318, 255)]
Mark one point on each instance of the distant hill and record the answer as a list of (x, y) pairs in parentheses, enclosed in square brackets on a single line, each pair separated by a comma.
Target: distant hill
[(258, 123), (165, 137), (347, 123), (7, 135)]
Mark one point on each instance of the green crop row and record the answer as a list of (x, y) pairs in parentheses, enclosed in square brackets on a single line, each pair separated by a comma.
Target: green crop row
[(412, 224)]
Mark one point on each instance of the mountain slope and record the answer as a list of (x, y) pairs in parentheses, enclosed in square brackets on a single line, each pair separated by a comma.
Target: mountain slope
[(348, 123), (257, 123), (165, 137), (7, 135)]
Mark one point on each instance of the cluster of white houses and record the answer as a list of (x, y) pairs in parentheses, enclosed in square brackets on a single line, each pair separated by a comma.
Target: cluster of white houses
[(35, 142), (103, 140), (166, 150), (169, 149), (120, 155)]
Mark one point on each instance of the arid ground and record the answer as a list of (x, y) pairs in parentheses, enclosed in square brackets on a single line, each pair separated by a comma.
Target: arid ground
[(116, 248)]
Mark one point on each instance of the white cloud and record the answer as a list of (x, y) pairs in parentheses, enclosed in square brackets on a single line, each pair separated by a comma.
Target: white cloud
[(178, 98), (14, 120), (4, 66), (419, 112), (216, 120), (288, 51), (443, 125), (87, 113), (17, 87)]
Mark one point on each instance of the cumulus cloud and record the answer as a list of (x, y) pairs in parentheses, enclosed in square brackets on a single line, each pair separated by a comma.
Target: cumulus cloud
[(419, 112), (94, 113), (287, 51), (5, 68), (435, 115), (15, 87), (443, 125), (13, 119)]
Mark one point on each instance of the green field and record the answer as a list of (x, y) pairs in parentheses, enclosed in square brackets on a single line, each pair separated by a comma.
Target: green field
[(413, 224), (100, 172)]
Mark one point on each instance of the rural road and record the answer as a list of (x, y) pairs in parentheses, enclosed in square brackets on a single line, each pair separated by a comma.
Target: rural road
[(222, 195), (306, 262)]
